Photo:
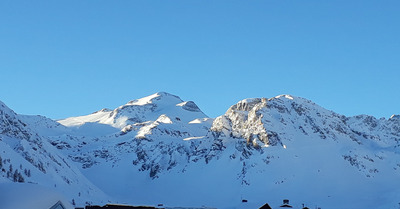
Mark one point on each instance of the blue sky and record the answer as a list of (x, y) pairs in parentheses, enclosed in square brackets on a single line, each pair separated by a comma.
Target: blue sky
[(69, 58)]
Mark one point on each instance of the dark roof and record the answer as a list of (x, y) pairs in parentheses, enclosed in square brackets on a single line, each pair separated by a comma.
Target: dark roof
[(112, 206), (266, 206), (58, 205)]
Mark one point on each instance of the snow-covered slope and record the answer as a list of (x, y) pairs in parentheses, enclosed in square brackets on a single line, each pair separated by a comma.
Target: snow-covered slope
[(28, 157), (160, 149), (30, 196), (44, 126)]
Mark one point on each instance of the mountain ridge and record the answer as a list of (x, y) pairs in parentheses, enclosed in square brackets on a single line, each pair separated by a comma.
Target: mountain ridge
[(275, 146)]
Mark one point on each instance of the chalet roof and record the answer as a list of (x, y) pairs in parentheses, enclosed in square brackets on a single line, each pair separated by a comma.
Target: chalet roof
[(58, 205), (265, 206)]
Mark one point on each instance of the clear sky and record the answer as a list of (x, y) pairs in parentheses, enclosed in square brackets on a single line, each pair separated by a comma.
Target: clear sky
[(70, 58)]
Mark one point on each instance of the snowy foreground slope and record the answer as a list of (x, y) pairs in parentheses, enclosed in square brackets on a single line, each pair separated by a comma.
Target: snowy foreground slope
[(160, 149), (27, 157)]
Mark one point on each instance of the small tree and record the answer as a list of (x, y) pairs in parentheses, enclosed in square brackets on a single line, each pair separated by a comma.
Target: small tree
[(15, 176), (20, 178)]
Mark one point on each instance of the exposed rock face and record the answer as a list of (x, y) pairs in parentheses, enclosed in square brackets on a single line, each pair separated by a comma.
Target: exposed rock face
[(265, 122)]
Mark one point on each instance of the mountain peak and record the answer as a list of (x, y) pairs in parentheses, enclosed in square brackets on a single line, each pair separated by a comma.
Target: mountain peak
[(287, 96), (154, 97), (148, 108), (163, 93)]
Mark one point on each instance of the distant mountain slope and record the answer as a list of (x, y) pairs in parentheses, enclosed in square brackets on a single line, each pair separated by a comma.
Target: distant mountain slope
[(160, 149)]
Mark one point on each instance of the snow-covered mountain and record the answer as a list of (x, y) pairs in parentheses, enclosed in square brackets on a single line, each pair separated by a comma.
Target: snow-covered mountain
[(160, 149), (142, 110)]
